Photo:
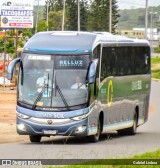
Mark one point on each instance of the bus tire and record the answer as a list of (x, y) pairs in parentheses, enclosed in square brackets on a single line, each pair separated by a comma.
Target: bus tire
[(132, 130), (95, 138), (35, 138)]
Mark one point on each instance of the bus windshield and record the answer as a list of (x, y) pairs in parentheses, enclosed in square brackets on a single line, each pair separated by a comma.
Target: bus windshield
[(49, 81)]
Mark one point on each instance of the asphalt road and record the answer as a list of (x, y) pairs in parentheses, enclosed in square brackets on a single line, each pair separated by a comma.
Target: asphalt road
[(109, 146)]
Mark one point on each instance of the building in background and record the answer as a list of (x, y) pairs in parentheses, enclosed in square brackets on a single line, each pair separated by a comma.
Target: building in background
[(153, 35), (131, 33)]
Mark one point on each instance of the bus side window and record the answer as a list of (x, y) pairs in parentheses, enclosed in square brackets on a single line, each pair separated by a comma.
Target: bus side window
[(147, 59), (142, 60), (133, 60), (120, 61), (112, 61), (96, 55), (103, 64)]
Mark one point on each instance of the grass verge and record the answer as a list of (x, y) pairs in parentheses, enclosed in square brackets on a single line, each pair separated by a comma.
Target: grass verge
[(155, 66), (145, 160)]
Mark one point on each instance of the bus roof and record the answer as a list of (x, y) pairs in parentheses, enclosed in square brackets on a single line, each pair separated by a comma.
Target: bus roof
[(74, 42)]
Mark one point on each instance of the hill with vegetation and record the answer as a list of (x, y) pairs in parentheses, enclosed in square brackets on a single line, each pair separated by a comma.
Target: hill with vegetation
[(135, 18)]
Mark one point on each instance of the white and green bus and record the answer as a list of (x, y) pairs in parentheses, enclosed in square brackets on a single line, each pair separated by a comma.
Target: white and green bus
[(113, 73)]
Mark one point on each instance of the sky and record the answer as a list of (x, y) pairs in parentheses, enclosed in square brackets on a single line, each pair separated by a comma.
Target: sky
[(124, 4)]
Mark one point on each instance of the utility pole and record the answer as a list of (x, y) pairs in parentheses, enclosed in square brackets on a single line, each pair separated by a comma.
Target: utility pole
[(78, 16), (63, 15), (47, 15), (110, 16), (146, 19), (152, 28), (37, 17), (5, 40)]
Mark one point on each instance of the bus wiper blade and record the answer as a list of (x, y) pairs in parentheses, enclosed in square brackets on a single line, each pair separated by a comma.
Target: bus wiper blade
[(64, 100), (39, 96)]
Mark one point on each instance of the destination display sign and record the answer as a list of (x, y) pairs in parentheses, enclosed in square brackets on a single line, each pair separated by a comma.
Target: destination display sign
[(16, 13), (72, 62)]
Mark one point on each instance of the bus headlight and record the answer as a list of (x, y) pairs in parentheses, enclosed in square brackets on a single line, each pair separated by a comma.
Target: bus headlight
[(79, 117), (22, 116)]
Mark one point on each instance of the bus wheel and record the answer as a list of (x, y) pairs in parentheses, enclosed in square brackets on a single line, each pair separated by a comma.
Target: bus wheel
[(35, 138), (95, 138), (132, 130)]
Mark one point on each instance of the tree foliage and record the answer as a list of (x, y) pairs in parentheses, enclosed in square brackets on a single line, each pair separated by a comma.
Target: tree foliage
[(71, 22), (72, 14), (94, 16), (84, 10), (41, 26), (1, 44), (22, 37), (10, 46), (55, 20), (53, 5), (99, 15)]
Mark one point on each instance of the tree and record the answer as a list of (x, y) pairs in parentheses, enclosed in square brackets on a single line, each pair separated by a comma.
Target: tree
[(72, 14), (42, 26), (99, 15), (84, 8), (55, 20), (26, 33), (53, 5), (115, 15), (10, 46), (1, 44), (95, 13), (55, 9), (22, 37)]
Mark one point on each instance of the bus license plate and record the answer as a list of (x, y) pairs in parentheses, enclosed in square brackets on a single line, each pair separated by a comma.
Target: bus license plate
[(49, 132)]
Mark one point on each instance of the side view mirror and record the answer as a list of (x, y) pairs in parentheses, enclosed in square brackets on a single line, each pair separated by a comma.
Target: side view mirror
[(11, 68), (92, 71)]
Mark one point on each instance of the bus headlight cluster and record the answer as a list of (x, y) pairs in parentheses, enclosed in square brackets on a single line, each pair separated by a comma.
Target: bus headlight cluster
[(22, 116), (80, 117)]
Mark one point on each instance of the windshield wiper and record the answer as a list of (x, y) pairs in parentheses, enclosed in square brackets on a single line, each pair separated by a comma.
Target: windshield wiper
[(39, 96), (62, 97)]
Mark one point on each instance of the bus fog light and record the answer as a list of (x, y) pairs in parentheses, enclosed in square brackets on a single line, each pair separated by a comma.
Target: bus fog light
[(21, 127), (80, 129)]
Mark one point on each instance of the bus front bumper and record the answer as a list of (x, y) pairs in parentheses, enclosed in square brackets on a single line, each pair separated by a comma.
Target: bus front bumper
[(73, 128)]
